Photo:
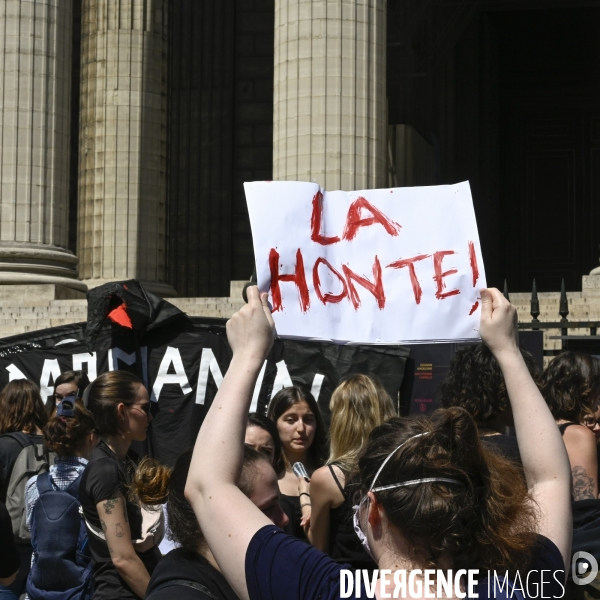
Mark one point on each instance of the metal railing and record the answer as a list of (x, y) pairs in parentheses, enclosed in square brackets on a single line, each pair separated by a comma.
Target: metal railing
[(564, 325)]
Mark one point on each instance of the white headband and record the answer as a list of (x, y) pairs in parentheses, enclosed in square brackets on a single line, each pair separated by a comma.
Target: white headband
[(412, 481)]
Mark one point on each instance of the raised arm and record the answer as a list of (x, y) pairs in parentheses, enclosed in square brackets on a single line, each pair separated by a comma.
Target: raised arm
[(227, 517), (541, 446)]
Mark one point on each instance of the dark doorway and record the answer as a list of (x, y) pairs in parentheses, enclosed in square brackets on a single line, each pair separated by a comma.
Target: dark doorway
[(549, 75), (527, 135), (510, 92)]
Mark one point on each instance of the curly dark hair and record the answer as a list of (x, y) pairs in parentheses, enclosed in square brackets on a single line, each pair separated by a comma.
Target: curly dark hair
[(484, 521), (475, 382), (67, 435), (571, 386)]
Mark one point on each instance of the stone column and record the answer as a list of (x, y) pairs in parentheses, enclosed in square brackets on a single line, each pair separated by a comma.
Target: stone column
[(123, 143), (35, 83), (330, 94)]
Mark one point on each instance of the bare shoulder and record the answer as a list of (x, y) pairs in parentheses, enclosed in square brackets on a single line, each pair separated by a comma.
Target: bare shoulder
[(322, 482), (579, 434), (322, 478)]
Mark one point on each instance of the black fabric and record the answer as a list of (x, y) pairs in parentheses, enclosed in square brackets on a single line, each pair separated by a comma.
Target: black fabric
[(279, 566), (586, 527), (9, 556), (504, 445), (335, 478), (10, 449), (291, 507), (563, 426), (344, 545), (145, 310), (185, 565), (104, 476), (183, 401)]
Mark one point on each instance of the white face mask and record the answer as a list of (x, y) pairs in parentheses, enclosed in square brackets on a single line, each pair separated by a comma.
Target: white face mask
[(356, 516)]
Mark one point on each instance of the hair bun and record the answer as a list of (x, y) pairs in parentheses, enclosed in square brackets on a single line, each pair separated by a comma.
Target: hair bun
[(150, 483)]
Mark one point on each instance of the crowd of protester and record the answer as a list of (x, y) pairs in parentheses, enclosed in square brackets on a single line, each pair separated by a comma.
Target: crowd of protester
[(276, 506)]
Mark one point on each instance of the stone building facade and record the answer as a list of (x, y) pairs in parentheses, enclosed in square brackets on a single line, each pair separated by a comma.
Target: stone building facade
[(127, 128)]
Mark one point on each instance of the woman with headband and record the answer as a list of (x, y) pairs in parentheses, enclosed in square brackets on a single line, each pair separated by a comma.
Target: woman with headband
[(431, 496)]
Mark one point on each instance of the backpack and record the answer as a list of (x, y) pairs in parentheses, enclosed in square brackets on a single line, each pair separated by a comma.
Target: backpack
[(61, 567), (32, 460)]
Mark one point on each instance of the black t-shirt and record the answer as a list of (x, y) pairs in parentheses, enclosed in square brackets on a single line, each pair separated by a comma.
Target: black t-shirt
[(183, 564), (9, 557), (104, 476), (9, 451), (504, 445), (280, 566)]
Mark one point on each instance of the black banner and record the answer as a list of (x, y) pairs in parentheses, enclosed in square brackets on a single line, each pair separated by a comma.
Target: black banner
[(182, 366)]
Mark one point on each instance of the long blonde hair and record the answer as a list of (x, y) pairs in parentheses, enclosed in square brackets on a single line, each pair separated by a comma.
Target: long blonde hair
[(357, 405)]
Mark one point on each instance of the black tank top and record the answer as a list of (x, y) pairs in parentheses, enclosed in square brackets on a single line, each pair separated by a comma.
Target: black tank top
[(563, 426), (344, 545)]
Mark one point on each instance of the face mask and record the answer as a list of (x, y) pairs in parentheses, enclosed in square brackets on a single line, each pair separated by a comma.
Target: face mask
[(356, 516)]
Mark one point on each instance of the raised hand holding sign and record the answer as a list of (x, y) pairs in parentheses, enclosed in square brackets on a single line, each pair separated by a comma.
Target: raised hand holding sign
[(372, 266)]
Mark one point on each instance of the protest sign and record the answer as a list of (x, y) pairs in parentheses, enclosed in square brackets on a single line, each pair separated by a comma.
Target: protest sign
[(383, 266)]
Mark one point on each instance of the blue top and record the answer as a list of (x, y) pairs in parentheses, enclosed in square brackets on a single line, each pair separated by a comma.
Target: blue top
[(281, 566)]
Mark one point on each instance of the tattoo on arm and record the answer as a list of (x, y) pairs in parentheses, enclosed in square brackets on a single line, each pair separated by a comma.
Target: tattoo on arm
[(109, 505), (120, 532), (583, 485), (103, 525)]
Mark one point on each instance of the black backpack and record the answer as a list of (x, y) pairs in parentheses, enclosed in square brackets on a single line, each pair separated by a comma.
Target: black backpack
[(61, 566), (33, 460)]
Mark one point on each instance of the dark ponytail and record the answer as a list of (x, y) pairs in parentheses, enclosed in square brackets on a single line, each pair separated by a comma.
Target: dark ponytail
[(484, 521)]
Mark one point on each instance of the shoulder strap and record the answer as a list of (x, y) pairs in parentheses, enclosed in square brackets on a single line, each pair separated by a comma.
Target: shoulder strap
[(564, 426), (187, 583), (337, 480), (93, 530), (20, 437), (73, 488), (44, 484)]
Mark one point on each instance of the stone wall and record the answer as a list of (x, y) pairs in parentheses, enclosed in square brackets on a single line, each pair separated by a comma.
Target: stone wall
[(33, 307)]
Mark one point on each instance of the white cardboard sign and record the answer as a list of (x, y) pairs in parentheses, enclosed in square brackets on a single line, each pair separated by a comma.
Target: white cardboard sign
[(373, 266)]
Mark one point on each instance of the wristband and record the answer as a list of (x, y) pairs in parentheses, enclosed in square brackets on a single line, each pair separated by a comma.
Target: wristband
[(304, 494), (305, 504)]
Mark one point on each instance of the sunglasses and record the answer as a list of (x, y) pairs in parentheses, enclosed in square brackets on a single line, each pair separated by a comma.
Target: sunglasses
[(143, 407)]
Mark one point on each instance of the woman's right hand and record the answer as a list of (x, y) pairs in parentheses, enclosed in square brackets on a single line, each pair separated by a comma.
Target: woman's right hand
[(498, 327), (251, 330)]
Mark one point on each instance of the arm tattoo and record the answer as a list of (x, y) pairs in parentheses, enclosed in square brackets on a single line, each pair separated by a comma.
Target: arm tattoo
[(583, 486), (103, 525), (120, 532), (109, 505)]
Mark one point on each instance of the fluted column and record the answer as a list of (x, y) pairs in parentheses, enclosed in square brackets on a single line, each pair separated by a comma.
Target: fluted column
[(35, 92), (123, 145), (329, 102)]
